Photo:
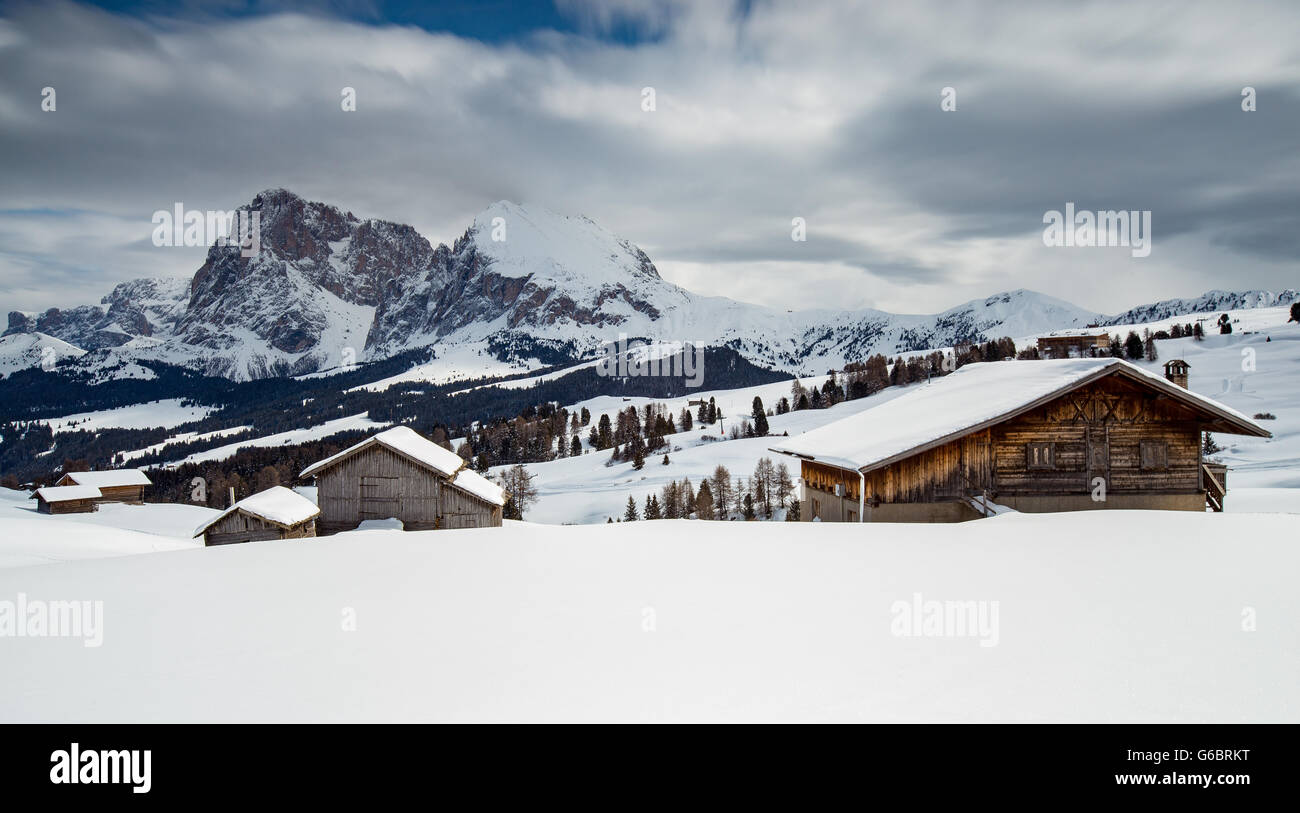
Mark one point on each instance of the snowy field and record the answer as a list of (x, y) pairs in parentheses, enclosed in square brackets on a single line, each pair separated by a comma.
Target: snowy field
[(30, 538), (1100, 617), (165, 414)]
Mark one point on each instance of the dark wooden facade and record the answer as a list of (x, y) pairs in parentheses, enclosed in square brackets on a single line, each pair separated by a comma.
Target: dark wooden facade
[(376, 482), (242, 526), (1110, 443), (1073, 345)]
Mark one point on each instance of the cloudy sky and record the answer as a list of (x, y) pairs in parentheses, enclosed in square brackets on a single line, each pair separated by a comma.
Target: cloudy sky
[(764, 111)]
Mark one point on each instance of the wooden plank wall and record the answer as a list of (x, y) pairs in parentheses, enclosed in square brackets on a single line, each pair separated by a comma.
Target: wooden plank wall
[(1102, 424), (241, 527), (395, 487)]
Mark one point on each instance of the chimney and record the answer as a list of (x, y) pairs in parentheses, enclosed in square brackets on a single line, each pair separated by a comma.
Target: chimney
[(1176, 371)]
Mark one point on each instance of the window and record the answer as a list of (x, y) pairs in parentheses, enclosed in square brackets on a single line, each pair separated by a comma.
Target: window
[(1040, 455), (816, 508), (1155, 454)]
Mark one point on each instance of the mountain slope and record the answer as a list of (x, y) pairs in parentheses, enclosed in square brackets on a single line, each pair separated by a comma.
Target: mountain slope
[(522, 285)]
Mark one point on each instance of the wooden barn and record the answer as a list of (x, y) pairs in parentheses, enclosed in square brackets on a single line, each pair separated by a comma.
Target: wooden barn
[(399, 474), (117, 485), (1034, 436), (67, 499), (277, 513), (1066, 344)]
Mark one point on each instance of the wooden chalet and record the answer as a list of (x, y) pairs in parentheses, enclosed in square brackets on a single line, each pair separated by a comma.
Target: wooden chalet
[(401, 475), (277, 513), (117, 485), (1035, 436), (1065, 344), (67, 499)]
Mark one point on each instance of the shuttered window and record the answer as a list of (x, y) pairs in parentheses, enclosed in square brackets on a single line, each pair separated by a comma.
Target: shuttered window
[(1155, 454), (1040, 455)]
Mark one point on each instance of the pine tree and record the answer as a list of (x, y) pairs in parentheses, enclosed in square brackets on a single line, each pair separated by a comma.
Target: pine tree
[(665, 462), (721, 491), (1133, 346), (1198, 332), (784, 485), (760, 417), (793, 514), (749, 507), (604, 433), (638, 457), (575, 447), (672, 500), (1209, 447), (630, 514), (704, 501), (652, 510), (1225, 324)]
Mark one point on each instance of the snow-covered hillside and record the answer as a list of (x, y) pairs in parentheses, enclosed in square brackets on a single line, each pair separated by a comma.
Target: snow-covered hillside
[(1265, 473), (1096, 620)]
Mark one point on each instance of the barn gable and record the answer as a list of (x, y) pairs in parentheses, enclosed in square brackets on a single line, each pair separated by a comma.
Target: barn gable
[(399, 474)]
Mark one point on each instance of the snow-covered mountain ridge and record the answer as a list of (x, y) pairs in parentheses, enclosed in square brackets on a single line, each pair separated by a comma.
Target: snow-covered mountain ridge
[(522, 284)]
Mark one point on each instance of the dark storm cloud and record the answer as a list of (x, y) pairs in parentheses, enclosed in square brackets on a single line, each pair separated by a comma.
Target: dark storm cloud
[(829, 112)]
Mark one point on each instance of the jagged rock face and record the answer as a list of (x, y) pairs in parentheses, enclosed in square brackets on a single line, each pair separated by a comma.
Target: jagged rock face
[(279, 297), (141, 307), (328, 288), (476, 283)]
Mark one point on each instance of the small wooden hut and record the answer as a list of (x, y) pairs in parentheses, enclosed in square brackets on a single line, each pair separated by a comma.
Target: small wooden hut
[(277, 513), (117, 485), (66, 499)]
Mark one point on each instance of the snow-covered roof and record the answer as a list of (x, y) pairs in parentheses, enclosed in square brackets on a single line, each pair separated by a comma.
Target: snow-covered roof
[(973, 397), (109, 479), (66, 493), (277, 504), (406, 442), (479, 486)]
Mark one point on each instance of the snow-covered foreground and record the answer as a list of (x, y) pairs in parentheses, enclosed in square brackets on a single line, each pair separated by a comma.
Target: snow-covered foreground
[(1101, 616), (31, 538)]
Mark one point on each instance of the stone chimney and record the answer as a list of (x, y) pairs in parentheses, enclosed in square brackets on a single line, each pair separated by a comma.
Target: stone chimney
[(1176, 371)]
